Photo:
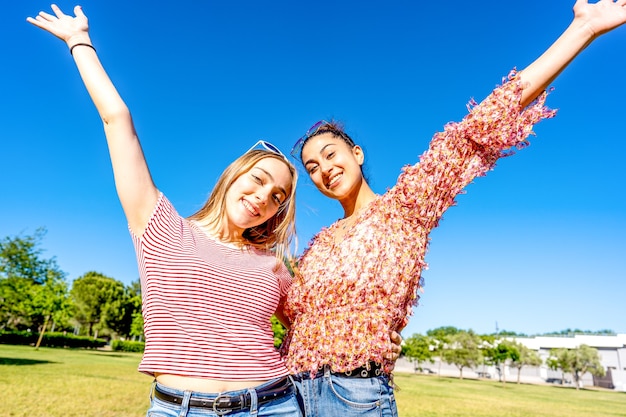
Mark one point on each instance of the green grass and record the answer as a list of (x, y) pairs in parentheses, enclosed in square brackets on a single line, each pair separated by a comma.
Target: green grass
[(73, 383), (432, 396)]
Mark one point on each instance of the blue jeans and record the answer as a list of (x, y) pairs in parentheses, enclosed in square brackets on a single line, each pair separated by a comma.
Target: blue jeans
[(330, 395), (285, 406)]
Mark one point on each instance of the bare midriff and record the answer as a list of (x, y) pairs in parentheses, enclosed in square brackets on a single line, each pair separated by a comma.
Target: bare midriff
[(205, 385)]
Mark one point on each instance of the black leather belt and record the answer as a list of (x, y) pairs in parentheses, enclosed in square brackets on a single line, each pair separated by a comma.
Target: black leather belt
[(371, 370), (224, 404)]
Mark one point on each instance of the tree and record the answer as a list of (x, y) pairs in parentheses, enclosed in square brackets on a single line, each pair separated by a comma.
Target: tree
[(136, 320), (33, 290), (136, 326), (100, 302), (418, 348), (50, 300), (576, 361), (440, 338), (463, 350), (497, 352), (584, 359), (527, 357), (279, 331), (558, 359)]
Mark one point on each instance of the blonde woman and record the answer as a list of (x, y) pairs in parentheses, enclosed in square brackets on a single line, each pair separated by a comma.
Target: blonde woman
[(211, 282)]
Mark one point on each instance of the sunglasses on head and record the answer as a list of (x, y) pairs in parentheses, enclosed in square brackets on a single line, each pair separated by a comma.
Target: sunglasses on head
[(296, 151), (266, 146)]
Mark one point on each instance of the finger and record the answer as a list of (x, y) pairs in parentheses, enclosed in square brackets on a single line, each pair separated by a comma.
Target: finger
[(40, 23), (57, 11), (46, 16), (78, 11)]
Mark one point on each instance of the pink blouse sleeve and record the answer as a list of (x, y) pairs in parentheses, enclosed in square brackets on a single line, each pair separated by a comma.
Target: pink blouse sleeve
[(466, 150)]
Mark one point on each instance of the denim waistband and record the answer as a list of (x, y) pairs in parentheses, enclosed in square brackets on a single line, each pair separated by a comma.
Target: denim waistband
[(225, 402)]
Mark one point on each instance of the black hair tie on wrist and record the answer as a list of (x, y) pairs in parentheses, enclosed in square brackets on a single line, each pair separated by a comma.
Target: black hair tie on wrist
[(81, 44)]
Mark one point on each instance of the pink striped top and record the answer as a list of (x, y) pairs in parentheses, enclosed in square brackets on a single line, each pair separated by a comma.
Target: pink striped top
[(206, 305)]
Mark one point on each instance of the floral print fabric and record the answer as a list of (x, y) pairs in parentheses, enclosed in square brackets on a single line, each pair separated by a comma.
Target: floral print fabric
[(349, 294)]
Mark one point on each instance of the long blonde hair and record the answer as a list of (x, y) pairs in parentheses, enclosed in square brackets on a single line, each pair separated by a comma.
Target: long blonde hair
[(278, 232)]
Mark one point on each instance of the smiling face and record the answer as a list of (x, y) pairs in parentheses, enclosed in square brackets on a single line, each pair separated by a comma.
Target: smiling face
[(256, 195), (333, 166)]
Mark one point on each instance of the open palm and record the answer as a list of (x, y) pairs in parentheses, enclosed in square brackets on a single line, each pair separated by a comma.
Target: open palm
[(61, 25), (602, 16)]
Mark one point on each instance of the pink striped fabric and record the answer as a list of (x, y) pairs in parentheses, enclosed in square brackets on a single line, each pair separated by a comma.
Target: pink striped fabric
[(206, 305)]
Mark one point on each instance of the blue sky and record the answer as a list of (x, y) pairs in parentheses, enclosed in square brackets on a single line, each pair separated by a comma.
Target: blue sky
[(538, 245)]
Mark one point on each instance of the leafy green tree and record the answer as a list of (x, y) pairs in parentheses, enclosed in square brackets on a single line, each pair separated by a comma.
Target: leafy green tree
[(117, 314), (16, 307), (440, 338), (418, 349), (33, 290), (559, 360), (572, 332), (136, 326), (279, 331), (136, 319), (576, 361), (584, 359), (527, 357), (509, 333), (99, 302), (50, 300), (497, 352), (463, 350)]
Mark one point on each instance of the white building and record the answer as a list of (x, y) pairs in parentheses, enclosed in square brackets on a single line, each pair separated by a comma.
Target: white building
[(611, 349)]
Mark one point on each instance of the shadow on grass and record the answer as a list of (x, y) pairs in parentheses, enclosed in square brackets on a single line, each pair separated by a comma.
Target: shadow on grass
[(21, 361)]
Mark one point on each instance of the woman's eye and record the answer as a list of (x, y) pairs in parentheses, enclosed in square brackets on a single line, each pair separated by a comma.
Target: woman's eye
[(330, 155), (257, 179), (312, 169), (277, 199)]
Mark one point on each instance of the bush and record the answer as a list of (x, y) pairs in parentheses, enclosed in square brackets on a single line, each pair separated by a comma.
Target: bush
[(71, 341), (18, 338), (51, 340), (127, 346)]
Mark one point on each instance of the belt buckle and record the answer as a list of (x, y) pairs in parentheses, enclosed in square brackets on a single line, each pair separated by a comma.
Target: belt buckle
[(220, 411)]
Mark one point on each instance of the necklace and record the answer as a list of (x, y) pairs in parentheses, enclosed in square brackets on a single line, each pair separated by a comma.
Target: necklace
[(345, 223), (350, 220)]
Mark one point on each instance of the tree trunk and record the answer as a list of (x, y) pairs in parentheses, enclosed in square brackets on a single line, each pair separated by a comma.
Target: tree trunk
[(43, 330)]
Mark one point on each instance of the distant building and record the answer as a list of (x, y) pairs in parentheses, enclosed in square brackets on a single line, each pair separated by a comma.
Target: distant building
[(611, 349)]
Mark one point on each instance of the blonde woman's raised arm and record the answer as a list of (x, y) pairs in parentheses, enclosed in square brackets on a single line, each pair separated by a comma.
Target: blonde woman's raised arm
[(590, 21), (133, 182)]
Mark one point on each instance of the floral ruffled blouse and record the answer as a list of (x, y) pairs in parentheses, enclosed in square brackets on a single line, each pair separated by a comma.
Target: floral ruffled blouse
[(348, 295)]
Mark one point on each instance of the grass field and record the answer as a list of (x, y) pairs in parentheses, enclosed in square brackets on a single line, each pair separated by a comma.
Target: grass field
[(80, 383)]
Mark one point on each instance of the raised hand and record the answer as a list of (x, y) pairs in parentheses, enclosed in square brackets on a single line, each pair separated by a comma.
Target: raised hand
[(590, 21), (135, 187), (600, 17), (67, 28)]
